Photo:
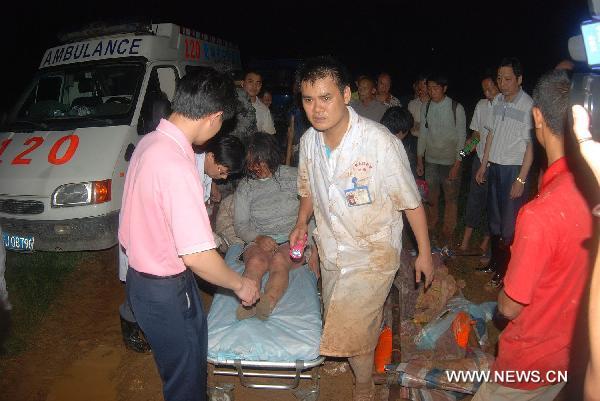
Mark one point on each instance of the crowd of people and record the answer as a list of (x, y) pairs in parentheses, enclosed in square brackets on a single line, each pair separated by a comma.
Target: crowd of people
[(346, 179)]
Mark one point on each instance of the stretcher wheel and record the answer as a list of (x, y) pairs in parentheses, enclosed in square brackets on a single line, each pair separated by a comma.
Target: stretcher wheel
[(221, 392), (309, 394), (312, 393)]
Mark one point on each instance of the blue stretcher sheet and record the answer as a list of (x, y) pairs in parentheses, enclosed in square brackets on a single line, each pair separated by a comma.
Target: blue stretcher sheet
[(293, 331)]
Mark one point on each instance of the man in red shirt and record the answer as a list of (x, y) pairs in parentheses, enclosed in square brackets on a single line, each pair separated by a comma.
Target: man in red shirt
[(548, 270)]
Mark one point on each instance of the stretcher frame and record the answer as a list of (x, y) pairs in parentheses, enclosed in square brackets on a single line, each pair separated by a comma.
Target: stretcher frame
[(279, 371)]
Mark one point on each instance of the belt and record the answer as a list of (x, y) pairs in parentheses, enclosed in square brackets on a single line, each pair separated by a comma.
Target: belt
[(155, 277)]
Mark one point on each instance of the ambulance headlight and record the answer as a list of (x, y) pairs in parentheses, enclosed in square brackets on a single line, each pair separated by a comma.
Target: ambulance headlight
[(82, 193)]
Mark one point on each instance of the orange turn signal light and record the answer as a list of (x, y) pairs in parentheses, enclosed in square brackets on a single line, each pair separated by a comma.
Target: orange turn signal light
[(101, 191)]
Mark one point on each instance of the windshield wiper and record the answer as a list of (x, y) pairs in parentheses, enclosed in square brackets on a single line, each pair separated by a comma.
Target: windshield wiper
[(89, 117), (34, 124), (105, 121)]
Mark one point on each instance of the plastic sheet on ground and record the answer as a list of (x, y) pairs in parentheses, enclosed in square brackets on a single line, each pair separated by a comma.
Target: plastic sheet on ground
[(428, 375), (432, 332)]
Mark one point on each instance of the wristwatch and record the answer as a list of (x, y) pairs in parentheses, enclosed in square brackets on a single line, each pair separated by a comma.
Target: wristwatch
[(520, 181)]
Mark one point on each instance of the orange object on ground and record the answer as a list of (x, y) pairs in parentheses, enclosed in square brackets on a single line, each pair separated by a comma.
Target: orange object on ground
[(461, 327), (383, 351)]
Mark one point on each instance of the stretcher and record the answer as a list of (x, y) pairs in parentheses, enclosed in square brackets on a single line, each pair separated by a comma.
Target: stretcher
[(273, 354)]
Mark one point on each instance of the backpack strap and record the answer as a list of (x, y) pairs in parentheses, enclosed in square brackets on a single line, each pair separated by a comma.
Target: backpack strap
[(426, 112), (454, 106)]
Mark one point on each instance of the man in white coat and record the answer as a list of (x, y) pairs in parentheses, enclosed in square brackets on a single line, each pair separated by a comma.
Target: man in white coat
[(355, 176)]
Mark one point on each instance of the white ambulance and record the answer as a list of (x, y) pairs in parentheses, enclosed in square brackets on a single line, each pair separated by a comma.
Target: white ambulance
[(66, 146)]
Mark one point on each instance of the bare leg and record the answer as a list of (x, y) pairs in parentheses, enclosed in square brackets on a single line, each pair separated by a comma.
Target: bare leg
[(362, 366), (464, 245), (256, 262), (485, 243), (279, 273)]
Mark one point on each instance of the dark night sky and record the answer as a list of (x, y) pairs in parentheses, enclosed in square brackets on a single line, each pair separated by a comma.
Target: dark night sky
[(459, 38)]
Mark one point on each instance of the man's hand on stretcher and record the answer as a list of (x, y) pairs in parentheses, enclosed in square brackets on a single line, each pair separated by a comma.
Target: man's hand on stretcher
[(249, 292), (210, 266)]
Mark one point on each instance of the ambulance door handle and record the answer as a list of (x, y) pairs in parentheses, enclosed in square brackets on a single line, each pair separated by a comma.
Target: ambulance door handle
[(129, 151)]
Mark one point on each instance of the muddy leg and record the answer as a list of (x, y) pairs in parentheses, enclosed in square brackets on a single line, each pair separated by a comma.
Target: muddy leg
[(256, 262), (279, 270), (362, 366)]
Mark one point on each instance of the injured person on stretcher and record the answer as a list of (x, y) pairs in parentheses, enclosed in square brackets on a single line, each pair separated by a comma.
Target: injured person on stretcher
[(265, 210)]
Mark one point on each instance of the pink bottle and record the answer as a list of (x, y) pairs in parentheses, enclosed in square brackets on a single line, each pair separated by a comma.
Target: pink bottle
[(297, 250)]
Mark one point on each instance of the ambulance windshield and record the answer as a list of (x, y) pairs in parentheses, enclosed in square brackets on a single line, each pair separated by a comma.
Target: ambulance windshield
[(76, 95)]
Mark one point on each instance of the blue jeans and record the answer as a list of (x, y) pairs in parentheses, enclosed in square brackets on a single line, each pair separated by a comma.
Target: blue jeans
[(170, 313), (477, 200), (502, 211)]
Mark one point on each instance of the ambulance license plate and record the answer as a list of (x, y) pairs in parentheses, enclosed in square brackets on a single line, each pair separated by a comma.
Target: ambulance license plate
[(18, 242)]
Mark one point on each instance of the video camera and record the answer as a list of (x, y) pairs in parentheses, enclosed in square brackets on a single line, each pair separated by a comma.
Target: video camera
[(585, 88)]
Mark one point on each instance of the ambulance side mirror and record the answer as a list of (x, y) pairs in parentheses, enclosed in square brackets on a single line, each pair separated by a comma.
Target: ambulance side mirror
[(3, 118), (129, 151)]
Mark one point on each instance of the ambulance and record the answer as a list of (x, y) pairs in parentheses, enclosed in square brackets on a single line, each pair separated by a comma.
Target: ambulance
[(66, 145)]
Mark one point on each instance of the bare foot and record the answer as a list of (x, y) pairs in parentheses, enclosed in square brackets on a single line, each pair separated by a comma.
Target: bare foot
[(245, 312)]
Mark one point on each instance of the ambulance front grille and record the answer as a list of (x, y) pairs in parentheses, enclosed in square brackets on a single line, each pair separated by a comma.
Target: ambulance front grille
[(14, 206)]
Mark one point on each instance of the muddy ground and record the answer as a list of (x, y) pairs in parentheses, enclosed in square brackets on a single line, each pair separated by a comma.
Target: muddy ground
[(78, 353)]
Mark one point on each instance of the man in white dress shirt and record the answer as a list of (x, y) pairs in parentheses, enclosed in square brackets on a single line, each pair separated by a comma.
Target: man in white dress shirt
[(252, 84)]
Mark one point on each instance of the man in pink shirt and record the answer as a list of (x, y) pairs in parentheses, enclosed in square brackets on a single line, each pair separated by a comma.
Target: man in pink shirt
[(165, 230)]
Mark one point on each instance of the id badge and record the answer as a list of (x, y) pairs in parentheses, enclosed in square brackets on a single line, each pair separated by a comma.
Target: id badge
[(357, 195)]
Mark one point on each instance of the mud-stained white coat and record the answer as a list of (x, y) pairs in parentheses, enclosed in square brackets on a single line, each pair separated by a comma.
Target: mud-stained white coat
[(359, 246)]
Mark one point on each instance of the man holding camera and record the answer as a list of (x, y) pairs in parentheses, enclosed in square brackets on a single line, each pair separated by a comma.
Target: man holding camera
[(548, 271)]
